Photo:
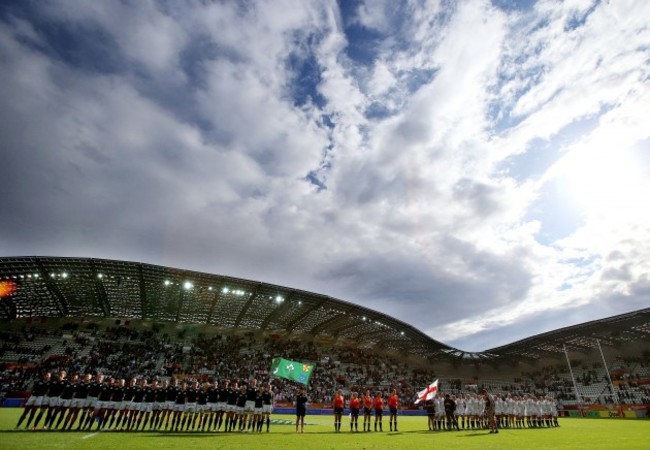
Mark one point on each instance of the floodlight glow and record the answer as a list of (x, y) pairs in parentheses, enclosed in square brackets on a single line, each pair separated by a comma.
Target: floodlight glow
[(279, 299), (225, 290), (64, 275), (100, 275), (209, 288), (35, 275), (167, 282), (402, 333), (7, 287), (188, 285)]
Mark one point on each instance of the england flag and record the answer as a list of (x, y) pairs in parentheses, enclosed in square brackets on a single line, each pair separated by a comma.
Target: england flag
[(427, 393)]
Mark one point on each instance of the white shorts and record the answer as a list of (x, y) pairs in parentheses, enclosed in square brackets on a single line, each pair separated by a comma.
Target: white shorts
[(250, 406), (78, 402), (65, 402), (213, 407), (112, 404), (190, 407), (231, 408), (267, 409), (169, 405), (147, 407), (222, 406), (136, 406), (258, 410), (101, 404), (52, 401), (179, 407), (91, 402), (240, 409), (34, 401), (157, 406)]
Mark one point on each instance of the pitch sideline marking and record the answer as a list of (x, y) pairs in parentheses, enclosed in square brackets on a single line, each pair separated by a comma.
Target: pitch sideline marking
[(90, 435)]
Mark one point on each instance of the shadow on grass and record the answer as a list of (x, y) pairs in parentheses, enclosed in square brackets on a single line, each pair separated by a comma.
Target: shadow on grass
[(183, 435)]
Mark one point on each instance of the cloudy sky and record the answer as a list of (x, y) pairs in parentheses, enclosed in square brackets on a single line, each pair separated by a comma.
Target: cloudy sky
[(478, 169)]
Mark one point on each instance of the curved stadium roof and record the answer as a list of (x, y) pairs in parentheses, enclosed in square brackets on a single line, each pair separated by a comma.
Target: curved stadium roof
[(73, 287)]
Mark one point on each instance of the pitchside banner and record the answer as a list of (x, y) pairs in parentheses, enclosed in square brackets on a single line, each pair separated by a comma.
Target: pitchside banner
[(291, 370)]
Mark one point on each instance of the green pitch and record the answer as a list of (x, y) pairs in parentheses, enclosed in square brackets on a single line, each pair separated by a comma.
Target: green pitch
[(584, 434)]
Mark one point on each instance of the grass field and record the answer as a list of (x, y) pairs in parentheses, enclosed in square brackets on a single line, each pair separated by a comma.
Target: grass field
[(586, 434)]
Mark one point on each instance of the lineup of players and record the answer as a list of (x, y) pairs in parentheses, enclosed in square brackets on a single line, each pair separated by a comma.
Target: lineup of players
[(106, 403), (366, 405), (476, 411), (445, 412)]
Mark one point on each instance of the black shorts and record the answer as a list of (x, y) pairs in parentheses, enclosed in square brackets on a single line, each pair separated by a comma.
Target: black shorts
[(338, 410), (393, 411), (301, 412), (354, 412), (367, 411), (379, 412)]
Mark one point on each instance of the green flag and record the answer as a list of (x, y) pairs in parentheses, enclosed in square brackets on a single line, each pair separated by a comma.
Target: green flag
[(291, 370)]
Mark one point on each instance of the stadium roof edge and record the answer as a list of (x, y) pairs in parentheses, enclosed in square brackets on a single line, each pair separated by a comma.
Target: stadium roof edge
[(73, 286)]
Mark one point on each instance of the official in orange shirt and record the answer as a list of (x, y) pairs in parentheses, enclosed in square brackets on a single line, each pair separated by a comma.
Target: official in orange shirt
[(367, 409), (337, 403), (355, 403), (392, 405), (378, 403)]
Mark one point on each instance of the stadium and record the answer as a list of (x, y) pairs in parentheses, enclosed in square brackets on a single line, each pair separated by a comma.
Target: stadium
[(135, 320)]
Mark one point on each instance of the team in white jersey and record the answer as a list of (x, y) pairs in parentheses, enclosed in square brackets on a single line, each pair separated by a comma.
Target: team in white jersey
[(511, 411)]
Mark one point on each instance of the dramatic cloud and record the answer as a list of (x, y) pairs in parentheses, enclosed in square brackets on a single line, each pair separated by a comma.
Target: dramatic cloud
[(477, 169)]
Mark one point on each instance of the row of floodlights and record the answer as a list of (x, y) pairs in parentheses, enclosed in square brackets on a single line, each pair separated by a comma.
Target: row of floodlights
[(365, 319), (188, 285), (52, 275), (23, 276)]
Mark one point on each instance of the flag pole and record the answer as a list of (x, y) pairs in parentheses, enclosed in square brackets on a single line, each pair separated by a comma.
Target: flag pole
[(575, 386), (611, 385)]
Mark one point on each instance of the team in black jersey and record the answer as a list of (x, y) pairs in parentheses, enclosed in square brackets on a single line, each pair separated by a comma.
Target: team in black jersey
[(104, 403)]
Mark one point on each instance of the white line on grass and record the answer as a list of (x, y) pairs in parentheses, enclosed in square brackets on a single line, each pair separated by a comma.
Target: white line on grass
[(90, 435)]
